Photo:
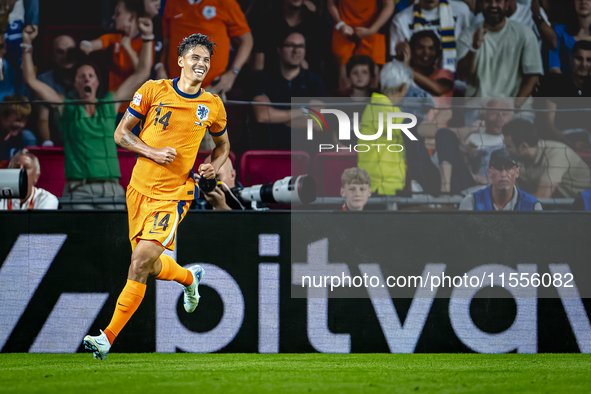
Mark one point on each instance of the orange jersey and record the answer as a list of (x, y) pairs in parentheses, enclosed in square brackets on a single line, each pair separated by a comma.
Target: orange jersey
[(218, 19), (179, 120), (357, 13), (121, 65)]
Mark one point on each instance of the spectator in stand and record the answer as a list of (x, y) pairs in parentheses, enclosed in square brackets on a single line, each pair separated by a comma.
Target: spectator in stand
[(127, 47), (22, 13), (533, 17), (578, 27), (356, 31), (387, 168), (355, 188), (448, 18), (502, 194), (7, 73), (61, 79), (360, 72), (557, 87), (220, 20), (499, 50), (549, 169), (13, 119), (279, 86), (152, 10), (464, 153), (36, 198), (286, 17), (422, 55), (91, 164)]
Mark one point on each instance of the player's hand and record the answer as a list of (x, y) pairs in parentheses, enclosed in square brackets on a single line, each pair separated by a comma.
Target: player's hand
[(29, 33), (206, 170), (363, 32), (145, 25), (164, 155)]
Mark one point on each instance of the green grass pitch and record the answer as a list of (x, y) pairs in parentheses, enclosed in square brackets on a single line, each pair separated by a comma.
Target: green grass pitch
[(305, 373)]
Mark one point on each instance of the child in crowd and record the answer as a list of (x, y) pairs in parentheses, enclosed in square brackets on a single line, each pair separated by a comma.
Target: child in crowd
[(355, 188)]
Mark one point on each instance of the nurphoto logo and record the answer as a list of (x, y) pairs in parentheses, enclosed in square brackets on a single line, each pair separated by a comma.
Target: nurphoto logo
[(392, 124)]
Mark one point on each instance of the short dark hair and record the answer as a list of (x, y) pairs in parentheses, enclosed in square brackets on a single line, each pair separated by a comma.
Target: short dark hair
[(361, 60), (194, 40), (521, 131), (286, 34), (581, 45), (414, 41)]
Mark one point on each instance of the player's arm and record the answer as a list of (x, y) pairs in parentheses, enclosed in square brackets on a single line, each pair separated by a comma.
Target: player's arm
[(218, 156), (126, 139)]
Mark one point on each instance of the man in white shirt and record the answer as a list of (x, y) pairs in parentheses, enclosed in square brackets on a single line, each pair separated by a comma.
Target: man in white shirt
[(500, 58), (402, 27), (36, 198), (522, 14)]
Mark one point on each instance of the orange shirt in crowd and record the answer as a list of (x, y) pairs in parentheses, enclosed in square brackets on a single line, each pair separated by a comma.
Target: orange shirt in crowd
[(357, 13), (121, 66), (218, 19)]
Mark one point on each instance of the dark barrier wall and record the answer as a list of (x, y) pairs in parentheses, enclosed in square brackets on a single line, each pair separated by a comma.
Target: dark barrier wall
[(61, 274)]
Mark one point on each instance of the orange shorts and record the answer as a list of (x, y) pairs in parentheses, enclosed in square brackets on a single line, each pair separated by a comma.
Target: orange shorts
[(153, 220), (344, 47)]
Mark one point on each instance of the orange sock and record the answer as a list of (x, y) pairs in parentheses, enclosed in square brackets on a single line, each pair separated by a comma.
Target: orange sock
[(172, 271), (130, 298)]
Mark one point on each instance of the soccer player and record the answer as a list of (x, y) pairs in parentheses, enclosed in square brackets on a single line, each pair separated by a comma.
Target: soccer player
[(175, 114)]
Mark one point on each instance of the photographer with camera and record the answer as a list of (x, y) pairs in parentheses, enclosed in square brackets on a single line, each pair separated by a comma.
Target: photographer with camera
[(220, 199), (36, 198)]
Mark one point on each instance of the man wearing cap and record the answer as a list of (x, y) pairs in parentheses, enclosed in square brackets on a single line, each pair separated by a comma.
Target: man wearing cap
[(502, 194)]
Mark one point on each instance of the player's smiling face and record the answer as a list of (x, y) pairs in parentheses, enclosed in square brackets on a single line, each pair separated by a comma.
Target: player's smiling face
[(195, 63)]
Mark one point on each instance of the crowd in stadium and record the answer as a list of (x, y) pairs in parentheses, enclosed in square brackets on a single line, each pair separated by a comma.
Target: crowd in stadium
[(498, 87)]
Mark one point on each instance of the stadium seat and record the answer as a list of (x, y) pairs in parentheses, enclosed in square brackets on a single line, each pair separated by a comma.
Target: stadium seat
[(127, 161), (266, 166), (51, 161), (328, 168)]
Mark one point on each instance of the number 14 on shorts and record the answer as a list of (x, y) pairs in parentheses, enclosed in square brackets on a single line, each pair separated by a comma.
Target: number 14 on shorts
[(162, 223)]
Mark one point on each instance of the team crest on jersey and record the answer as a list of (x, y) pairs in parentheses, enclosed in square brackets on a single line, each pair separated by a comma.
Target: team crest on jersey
[(208, 12), (202, 113)]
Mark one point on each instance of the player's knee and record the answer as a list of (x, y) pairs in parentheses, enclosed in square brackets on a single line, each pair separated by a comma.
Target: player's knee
[(141, 263)]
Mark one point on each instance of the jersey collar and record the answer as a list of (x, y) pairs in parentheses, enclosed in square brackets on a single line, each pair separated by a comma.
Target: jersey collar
[(185, 95)]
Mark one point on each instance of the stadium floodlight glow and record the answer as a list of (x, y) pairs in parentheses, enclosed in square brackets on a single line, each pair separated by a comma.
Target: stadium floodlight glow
[(13, 183), (300, 190)]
